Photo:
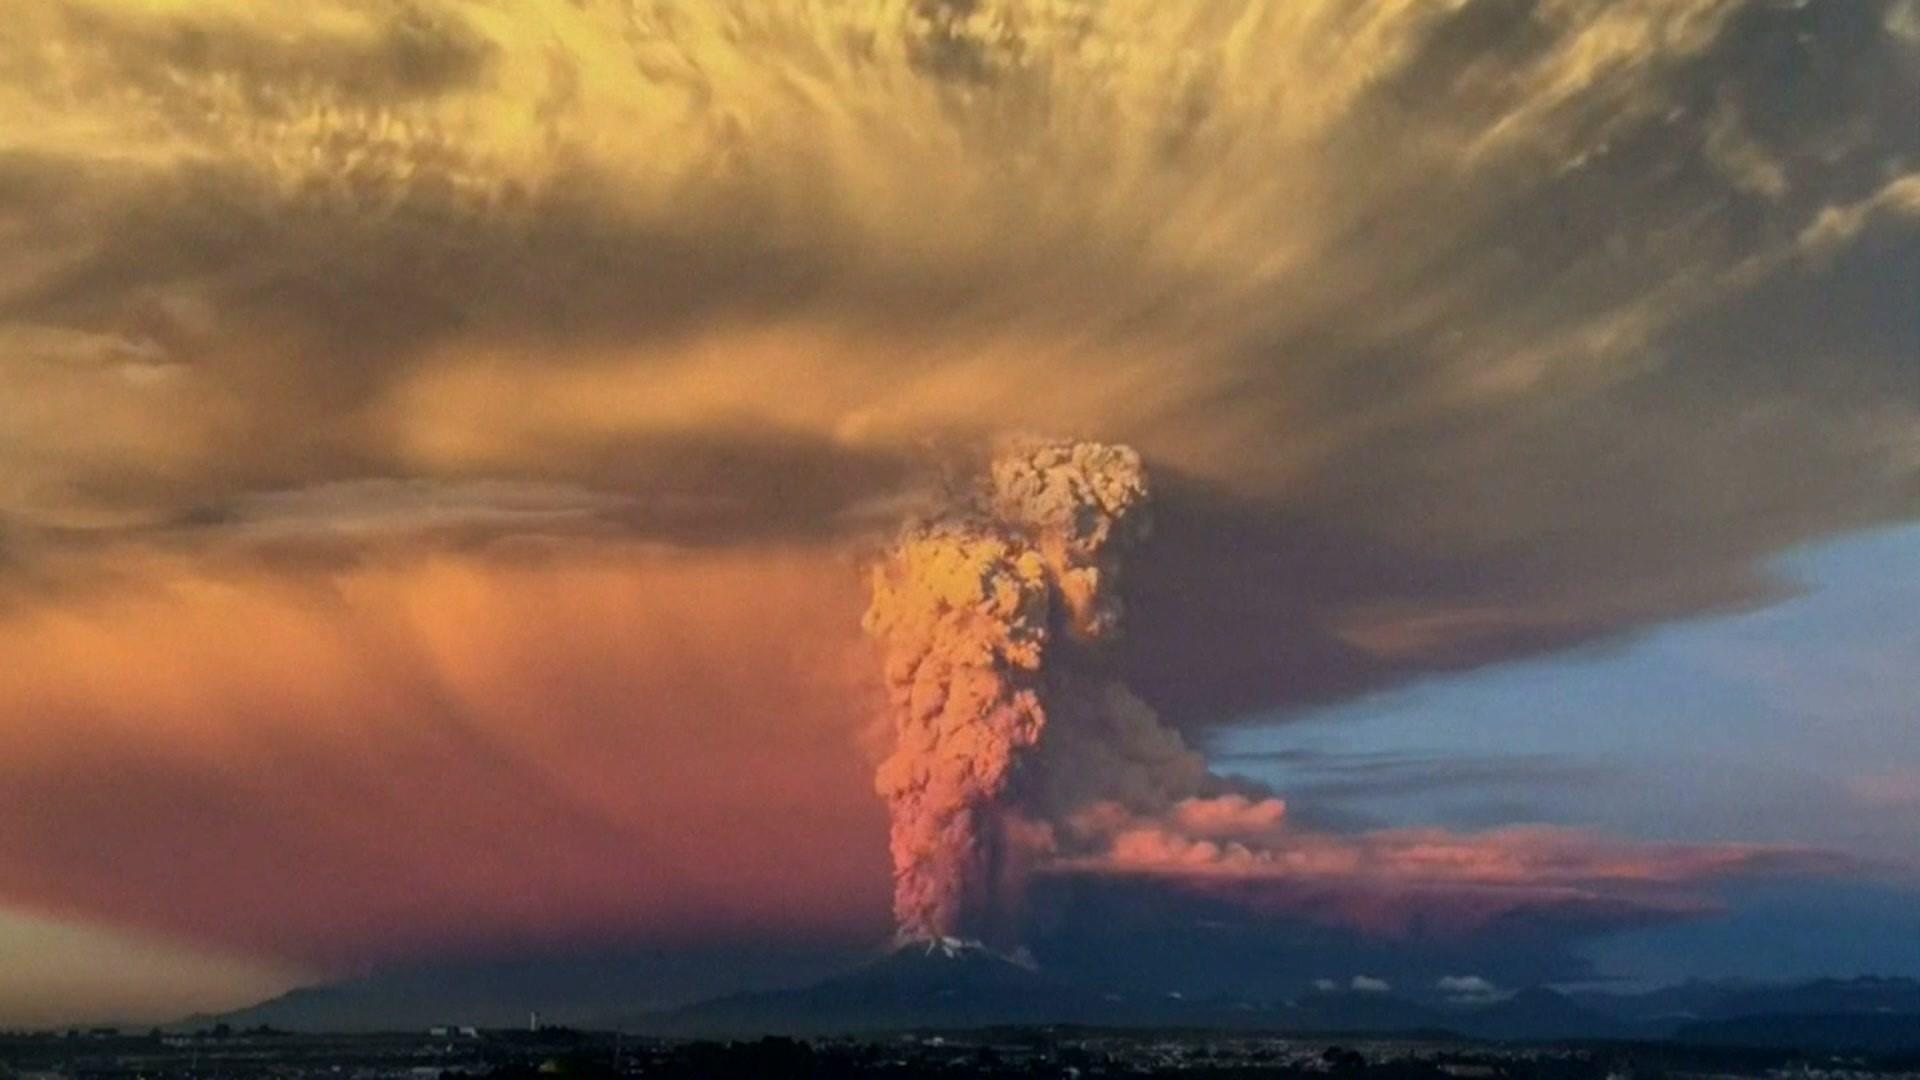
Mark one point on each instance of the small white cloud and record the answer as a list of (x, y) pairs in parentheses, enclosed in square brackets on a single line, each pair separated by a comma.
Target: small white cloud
[(1468, 989), (1325, 985), (1367, 984)]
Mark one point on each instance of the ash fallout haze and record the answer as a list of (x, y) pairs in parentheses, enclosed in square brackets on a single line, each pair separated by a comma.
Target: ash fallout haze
[(1261, 498)]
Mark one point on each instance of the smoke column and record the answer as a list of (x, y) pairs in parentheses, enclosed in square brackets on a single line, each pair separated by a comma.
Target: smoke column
[(980, 614), (1018, 748)]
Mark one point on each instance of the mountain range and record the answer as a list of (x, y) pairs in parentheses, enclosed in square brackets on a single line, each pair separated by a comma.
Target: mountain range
[(951, 985)]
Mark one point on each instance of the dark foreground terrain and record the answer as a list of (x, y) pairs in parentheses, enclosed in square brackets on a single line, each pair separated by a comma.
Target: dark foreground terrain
[(443, 1054)]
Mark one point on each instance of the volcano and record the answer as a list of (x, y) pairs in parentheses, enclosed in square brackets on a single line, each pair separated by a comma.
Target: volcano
[(941, 983)]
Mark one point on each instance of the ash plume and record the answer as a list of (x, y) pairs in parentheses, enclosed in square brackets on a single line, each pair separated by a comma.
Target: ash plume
[(1018, 749), (991, 619)]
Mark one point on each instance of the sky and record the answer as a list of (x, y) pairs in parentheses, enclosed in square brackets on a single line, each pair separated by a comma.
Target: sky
[(1790, 722), (444, 444)]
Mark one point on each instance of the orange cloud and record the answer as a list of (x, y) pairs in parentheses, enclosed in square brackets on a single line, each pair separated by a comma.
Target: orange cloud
[(1399, 881), (431, 751)]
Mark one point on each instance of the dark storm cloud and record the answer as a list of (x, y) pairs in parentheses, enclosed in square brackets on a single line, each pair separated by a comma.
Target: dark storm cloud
[(1558, 365)]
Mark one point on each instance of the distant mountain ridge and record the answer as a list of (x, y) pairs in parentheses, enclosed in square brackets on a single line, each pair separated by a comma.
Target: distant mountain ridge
[(1704, 1000), (957, 985), (951, 984), (1860, 1033)]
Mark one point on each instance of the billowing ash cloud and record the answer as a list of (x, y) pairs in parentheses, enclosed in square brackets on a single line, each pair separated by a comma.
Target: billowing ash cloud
[(979, 613), (1018, 748), (1017, 745)]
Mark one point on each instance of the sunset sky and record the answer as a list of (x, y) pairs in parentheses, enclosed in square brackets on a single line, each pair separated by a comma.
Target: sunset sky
[(444, 443)]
